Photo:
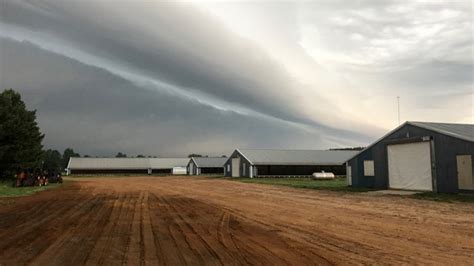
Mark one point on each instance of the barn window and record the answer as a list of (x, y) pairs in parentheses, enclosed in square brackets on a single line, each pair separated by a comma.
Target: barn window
[(228, 168), (243, 170), (369, 168)]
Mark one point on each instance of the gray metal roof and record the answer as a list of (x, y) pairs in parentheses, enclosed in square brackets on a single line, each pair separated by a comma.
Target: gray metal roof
[(296, 157), (210, 161), (168, 163), (461, 131), (126, 163)]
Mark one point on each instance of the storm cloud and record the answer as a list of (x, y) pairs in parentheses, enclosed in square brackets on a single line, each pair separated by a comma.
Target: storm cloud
[(172, 78)]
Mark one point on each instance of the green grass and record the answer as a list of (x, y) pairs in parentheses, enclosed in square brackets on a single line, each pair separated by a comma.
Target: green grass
[(444, 197), (116, 175), (7, 190), (337, 184)]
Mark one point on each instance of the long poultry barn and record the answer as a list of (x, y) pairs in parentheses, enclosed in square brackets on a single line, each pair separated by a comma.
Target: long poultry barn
[(127, 165), (273, 163), (419, 156), (206, 165)]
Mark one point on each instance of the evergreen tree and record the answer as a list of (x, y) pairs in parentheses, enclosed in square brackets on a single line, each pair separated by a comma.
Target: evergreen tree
[(52, 160), (20, 136), (67, 154), (121, 155)]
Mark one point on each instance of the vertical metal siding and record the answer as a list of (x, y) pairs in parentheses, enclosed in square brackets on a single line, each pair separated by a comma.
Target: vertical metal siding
[(235, 154), (445, 150)]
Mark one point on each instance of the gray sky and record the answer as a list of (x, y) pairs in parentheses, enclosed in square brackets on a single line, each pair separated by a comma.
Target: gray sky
[(168, 79)]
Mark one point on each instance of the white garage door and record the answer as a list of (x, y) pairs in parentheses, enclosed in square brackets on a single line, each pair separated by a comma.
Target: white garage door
[(349, 174), (409, 166), (465, 176), (191, 169), (235, 167)]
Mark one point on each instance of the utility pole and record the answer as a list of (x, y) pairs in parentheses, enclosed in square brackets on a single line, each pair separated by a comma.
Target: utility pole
[(398, 104)]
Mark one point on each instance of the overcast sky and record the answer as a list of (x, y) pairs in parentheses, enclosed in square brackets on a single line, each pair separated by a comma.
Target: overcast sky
[(169, 79)]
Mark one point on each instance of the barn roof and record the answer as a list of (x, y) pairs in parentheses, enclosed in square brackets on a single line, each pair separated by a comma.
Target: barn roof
[(126, 163), (460, 131), (167, 163), (210, 161), (296, 157)]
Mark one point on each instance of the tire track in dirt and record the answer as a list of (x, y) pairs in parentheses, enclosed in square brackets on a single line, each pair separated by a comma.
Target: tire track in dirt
[(268, 247), (22, 215), (113, 244), (149, 247), (322, 245), (134, 252), (121, 238), (196, 233), (180, 221), (104, 245), (89, 235), (242, 239), (40, 233), (330, 240), (74, 245), (329, 245), (186, 251), (27, 208), (265, 247), (173, 249), (224, 233)]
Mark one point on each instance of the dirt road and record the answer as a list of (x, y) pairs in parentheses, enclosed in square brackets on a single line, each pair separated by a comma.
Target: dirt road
[(189, 220)]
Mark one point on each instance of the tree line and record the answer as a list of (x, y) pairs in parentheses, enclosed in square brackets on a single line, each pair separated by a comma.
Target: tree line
[(21, 139)]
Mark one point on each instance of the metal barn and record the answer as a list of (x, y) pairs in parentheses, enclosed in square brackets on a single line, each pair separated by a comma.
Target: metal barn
[(263, 163), (168, 165), (125, 165), (417, 156), (206, 165)]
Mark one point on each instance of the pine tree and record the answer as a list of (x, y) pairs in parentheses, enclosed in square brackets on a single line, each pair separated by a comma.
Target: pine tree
[(52, 160), (121, 155), (67, 154), (20, 136)]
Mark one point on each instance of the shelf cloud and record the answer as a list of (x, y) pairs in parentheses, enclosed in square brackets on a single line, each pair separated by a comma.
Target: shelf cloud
[(175, 78)]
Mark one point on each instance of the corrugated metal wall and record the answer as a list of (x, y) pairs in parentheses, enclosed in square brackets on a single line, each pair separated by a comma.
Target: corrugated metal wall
[(445, 150), (243, 161)]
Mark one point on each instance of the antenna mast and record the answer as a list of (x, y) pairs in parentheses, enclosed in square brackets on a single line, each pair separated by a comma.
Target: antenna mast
[(398, 105)]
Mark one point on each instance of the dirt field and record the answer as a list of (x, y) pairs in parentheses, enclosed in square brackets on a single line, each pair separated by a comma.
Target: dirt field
[(189, 220)]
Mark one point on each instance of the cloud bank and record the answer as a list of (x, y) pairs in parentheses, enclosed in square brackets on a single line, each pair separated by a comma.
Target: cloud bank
[(174, 78)]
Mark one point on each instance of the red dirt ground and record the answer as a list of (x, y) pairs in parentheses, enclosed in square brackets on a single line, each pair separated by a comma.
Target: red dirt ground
[(189, 220)]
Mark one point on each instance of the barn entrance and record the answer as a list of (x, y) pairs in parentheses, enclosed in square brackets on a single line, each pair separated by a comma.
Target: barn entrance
[(349, 175), (464, 167), (409, 166), (191, 168), (235, 167)]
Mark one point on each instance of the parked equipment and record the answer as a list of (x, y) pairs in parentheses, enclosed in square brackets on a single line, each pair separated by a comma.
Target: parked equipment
[(37, 178)]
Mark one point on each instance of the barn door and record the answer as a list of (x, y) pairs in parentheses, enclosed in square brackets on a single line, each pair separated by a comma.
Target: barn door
[(235, 167), (409, 166), (191, 168), (349, 175), (464, 167)]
